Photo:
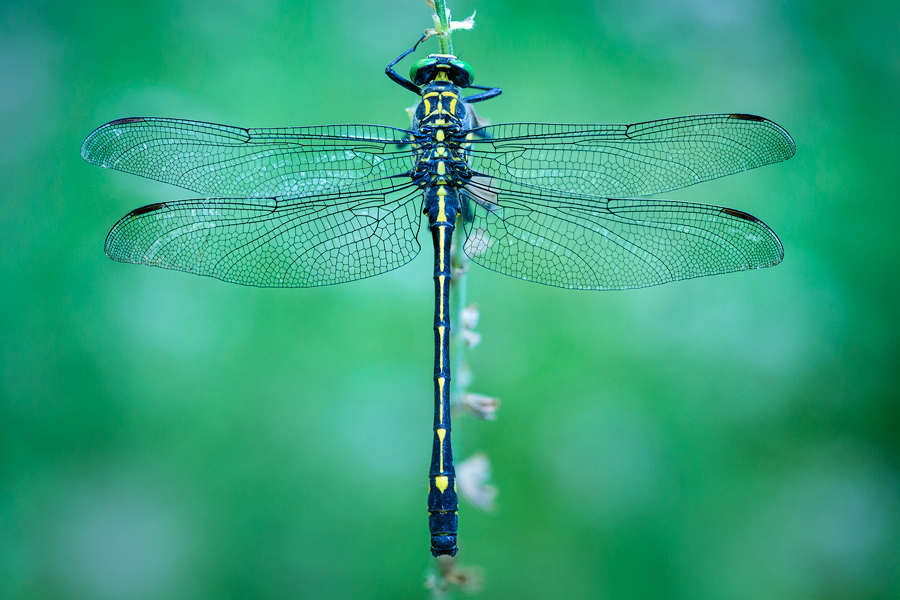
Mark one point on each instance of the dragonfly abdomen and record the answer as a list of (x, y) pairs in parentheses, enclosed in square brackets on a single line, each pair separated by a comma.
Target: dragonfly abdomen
[(442, 499)]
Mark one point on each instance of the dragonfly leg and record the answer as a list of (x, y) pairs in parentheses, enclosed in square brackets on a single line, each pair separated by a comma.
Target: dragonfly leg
[(485, 95), (399, 79)]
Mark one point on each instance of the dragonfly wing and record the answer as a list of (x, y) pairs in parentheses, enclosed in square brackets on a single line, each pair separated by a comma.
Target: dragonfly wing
[(619, 161), (303, 241), (225, 161), (589, 242)]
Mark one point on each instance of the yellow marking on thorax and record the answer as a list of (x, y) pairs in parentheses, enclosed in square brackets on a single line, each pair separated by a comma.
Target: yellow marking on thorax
[(453, 100), (440, 135), (441, 168)]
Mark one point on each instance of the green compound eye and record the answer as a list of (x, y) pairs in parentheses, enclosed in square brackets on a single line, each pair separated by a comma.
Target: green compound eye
[(422, 71), (461, 73)]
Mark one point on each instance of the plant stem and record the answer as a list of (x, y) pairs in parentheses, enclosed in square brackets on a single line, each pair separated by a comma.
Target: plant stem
[(459, 263), (443, 27)]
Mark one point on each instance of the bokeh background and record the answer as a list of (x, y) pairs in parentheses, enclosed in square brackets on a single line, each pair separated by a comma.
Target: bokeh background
[(164, 436)]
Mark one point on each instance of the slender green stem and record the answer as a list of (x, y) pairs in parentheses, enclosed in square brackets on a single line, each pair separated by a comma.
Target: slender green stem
[(459, 264), (443, 27)]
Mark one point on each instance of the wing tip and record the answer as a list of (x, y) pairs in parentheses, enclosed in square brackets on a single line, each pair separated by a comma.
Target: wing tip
[(790, 146), (91, 141), (112, 241), (779, 254), (776, 255)]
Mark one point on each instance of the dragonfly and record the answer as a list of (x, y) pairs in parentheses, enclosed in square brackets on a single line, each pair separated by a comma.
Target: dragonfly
[(562, 205)]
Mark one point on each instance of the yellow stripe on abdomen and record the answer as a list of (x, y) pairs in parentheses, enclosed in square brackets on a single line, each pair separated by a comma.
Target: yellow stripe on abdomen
[(442, 213), (442, 433)]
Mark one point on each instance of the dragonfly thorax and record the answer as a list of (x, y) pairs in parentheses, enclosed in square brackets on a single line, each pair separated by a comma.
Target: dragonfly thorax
[(440, 125), (441, 106)]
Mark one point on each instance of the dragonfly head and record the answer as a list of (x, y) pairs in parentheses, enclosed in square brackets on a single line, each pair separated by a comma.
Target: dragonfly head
[(442, 67)]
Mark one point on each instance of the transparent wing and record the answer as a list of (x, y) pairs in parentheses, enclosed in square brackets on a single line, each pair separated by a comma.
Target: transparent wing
[(618, 161), (589, 242), (277, 242), (225, 161)]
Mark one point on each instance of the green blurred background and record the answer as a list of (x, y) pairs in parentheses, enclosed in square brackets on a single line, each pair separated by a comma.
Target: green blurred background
[(164, 436)]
